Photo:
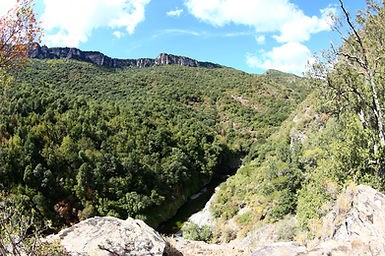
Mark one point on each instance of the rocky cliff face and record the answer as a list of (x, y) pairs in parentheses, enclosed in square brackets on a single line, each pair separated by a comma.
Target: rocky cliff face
[(43, 52), (355, 226)]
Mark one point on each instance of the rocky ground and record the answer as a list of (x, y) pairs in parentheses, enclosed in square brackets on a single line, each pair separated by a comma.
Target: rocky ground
[(355, 226), (181, 246)]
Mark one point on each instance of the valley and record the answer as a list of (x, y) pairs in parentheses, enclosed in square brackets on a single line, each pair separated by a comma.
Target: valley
[(171, 155), (132, 142)]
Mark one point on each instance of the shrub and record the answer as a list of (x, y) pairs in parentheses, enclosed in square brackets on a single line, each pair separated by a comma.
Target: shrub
[(21, 230), (195, 232)]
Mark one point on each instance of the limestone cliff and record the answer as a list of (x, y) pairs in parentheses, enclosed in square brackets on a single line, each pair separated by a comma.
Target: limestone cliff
[(43, 52)]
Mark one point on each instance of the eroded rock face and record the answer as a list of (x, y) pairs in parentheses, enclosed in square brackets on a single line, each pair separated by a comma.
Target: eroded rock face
[(204, 217), (358, 217), (110, 236), (355, 226), (43, 52)]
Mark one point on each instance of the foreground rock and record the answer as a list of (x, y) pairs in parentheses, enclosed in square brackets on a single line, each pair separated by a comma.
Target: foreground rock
[(358, 218), (184, 247), (110, 236), (355, 226)]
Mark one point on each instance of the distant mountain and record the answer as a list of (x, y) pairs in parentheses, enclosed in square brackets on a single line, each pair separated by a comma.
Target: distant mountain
[(98, 58)]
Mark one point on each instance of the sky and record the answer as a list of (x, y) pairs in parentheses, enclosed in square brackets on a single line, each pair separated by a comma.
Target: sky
[(249, 35)]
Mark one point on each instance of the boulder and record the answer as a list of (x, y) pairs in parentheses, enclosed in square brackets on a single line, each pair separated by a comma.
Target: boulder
[(104, 236), (359, 217)]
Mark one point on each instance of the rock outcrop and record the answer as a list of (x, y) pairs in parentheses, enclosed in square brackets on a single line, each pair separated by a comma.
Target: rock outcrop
[(355, 226), (43, 52), (204, 217), (358, 218), (110, 236)]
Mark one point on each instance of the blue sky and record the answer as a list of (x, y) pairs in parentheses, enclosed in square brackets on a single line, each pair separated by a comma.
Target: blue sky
[(250, 35)]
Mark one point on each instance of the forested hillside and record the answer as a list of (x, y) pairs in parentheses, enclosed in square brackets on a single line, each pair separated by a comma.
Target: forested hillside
[(333, 139), (80, 140)]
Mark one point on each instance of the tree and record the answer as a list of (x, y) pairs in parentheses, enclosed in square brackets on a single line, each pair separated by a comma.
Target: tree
[(352, 76), (18, 30), (20, 229)]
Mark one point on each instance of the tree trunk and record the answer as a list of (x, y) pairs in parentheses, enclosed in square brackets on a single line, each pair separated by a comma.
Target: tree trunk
[(361, 115), (377, 110)]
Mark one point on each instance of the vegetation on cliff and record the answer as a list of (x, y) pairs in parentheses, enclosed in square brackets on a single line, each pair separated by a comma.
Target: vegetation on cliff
[(335, 137)]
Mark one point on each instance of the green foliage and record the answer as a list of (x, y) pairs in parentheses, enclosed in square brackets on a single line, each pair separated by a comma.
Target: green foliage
[(192, 231), (350, 77), (300, 170), (85, 140), (344, 154), (268, 185), (20, 228)]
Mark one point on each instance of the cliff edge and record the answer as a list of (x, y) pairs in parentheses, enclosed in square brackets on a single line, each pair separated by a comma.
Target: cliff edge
[(98, 58)]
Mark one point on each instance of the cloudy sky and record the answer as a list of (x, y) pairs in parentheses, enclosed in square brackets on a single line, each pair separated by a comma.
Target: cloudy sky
[(250, 35)]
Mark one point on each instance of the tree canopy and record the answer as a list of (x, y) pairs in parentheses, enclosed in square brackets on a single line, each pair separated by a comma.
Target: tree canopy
[(352, 75), (82, 140), (18, 30)]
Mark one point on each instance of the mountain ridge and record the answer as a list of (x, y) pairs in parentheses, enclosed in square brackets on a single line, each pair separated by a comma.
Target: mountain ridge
[(100, 59)]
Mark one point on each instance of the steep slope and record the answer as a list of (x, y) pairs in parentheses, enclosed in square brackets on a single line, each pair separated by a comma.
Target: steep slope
[(288, 184), (82, 140)]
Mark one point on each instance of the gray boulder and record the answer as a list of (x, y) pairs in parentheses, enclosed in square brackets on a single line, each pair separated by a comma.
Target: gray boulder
[(104, 236), (358, 218)]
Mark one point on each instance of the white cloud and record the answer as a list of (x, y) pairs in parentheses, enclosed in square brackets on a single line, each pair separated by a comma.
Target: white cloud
[(237, 34), (175, 13), (6, 5), (118, 34), (289, 57), (300, 28), (182, 32), (283, 20), (277, 16), (261, 39), (67, 25)]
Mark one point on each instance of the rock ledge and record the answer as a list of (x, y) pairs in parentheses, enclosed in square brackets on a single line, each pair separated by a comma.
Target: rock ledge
[(98, 58)]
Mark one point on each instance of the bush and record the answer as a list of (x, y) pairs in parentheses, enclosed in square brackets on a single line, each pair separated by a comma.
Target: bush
[(20, 229), (195, 232)]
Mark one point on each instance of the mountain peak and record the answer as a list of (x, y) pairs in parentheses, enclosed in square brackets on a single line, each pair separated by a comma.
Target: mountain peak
[(98, 58)]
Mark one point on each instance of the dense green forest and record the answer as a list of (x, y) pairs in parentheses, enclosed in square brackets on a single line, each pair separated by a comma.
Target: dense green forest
[(80, 140), (334, 139)]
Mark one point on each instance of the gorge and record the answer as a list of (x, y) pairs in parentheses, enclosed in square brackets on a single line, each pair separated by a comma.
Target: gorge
[(132, 141)]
